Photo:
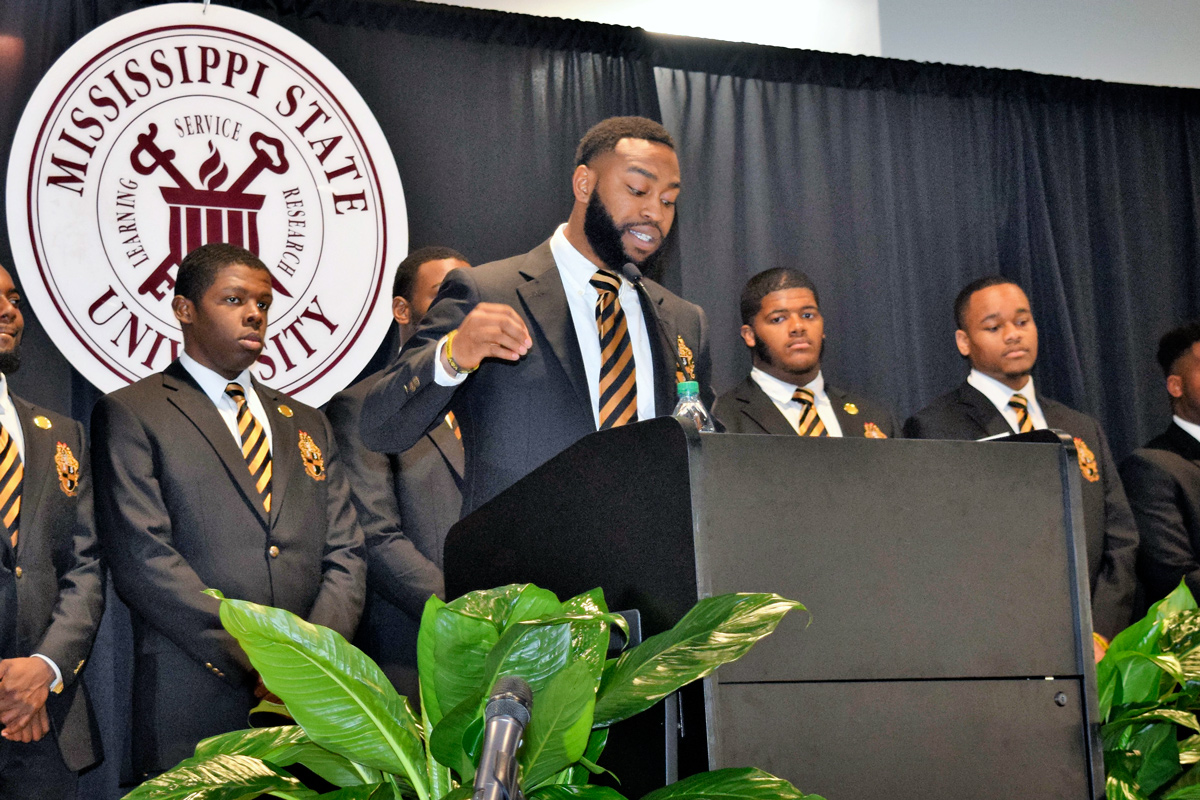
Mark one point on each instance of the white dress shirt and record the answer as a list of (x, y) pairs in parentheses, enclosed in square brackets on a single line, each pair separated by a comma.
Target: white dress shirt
[(999, 394), (12, 424), (213, 385), (576, 273), (1190, 428), (781, 393)]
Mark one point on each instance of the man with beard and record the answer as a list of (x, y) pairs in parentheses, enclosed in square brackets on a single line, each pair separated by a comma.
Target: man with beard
[(997, 336), (51, 586), (786, 392), (406, 502), (534, 352)]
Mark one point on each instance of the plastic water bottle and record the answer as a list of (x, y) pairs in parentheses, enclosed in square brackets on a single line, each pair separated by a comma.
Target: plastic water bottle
[(691, 408)]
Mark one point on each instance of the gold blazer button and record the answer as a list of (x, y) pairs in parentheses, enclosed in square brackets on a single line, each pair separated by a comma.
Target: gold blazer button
[(274, 551)]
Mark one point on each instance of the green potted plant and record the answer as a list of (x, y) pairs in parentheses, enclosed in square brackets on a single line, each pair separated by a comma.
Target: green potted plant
[(1149, 692), (355, 732)]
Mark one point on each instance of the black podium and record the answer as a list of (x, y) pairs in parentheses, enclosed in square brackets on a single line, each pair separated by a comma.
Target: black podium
[(949, 653)]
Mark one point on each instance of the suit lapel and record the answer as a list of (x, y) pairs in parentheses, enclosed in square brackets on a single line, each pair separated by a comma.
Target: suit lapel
[(187, 396), (451, 448), (657, 320), (39, 464), (755, 404), (545, 302), (285, 436), (848, 423), (981, 411)]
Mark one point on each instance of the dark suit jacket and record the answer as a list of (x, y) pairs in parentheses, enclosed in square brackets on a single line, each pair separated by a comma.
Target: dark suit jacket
[(746, 409), (406, 504), (516, 416), (1163, 483), (178, 513), (54, 607), (1112, 540)]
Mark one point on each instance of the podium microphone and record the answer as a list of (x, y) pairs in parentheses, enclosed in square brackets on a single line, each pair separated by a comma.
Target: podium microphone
[(634, 276), (505, 718)]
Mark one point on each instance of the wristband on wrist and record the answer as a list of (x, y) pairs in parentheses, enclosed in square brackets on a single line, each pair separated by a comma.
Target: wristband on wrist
[(1100, 640), (450, 355)]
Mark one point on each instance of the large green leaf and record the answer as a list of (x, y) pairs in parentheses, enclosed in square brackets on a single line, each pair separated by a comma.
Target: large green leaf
[(1160, 756), (221, 777), (558, 733), (378, 791), (590, 634), (336, 693), (508, 604), (286, 746), (530, 651), (717, 630), (440, 782), (731, 784), (575, 792), (1185, 793)]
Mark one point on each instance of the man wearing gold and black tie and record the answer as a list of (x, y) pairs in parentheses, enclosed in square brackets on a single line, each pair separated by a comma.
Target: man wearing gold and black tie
[(786, 392), (997, 335), (406, 502), (535, 352), (207, 479), (51, 586)]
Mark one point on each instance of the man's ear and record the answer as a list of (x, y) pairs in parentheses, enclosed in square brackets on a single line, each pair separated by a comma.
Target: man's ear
[(583, 182), (748, 336), (401, 310), (184, 309), (963, 342), (1175, 386)]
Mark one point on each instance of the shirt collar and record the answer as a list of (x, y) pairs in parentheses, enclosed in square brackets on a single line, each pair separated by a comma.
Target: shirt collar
[(998, 393), (574, 267), (3, 387), (212, 383), (782, 391), (1190, 428)]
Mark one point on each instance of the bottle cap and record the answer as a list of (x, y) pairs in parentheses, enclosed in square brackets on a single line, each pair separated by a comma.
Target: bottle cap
[(688, 388)]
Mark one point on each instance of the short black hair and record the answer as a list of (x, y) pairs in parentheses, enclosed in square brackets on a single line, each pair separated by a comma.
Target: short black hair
[(199, 268), (1175, 343), (603, 136), (772, 280), (979, 284), (406, 273)]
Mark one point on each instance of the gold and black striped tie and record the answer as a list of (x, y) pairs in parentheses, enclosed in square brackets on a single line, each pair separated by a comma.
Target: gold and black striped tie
[(12, 473), (452, 423), (255, 448), (810, 421), (618, 377), (1024, 421)]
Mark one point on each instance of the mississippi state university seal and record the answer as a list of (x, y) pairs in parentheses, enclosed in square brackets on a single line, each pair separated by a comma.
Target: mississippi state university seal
[(171, 127)]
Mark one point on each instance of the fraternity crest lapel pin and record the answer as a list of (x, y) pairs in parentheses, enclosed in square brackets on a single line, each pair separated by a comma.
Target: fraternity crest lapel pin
[(314, 462), (687, 361), (68, 470), (1087, 461)]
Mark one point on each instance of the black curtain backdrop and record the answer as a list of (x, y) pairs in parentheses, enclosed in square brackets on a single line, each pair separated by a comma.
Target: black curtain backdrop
[(891, 183), (894, 184)]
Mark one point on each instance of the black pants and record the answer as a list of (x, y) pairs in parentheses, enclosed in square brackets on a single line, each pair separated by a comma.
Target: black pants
[(35, 771)]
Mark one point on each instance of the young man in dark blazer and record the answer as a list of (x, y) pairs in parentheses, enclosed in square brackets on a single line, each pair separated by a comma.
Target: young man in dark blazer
[(514, 348), (997, 335), (206, 479), (406, 502), (51, 586), (785, 392), (1163, 478)]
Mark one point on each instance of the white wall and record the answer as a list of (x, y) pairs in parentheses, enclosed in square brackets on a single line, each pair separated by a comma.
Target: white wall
[(1128, 41)]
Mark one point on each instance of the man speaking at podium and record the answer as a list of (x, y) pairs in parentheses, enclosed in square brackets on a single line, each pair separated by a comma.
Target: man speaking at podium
[(534, 352)]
